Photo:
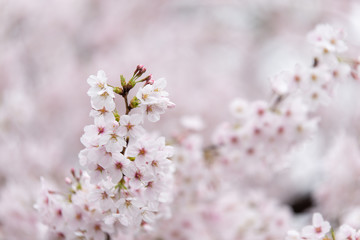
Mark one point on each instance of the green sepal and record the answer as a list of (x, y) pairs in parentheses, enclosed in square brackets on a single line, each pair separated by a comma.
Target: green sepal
[(118, 90), (135, 102), (132, 83), (121, 184), (123, 81), (116, 115)]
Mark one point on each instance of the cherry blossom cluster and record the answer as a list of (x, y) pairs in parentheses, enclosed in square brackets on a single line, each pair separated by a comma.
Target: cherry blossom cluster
[(315, 84), (247, 215), (204, 205), (262, 134), (230, 216), (268, 130), (127, 173), (321, 230)]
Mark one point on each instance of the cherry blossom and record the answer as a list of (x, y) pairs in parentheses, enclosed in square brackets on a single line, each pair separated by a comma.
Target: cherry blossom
[(153, 100), (318, 229), (102, 95), (328, 39), (131, 125)]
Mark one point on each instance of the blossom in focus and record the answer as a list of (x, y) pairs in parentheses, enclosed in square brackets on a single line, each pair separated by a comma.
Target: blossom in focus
[(318, 229)]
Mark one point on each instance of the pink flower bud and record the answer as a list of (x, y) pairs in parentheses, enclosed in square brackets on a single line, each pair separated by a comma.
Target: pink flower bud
[(68, 180)]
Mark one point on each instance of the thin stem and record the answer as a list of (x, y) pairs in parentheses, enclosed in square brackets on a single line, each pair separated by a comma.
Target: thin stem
[(108, 236), (128, 108), (277, 101), (127, 143), (333, 234)]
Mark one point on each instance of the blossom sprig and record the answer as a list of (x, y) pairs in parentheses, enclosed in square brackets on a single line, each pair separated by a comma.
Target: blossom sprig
[(127, 86), (127, 174), (322, 230), (267, 130), (315, 84)]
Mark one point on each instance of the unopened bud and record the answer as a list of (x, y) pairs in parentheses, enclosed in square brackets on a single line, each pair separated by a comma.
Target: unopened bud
[(131, 84), (123, 81), (116, 115), (149, 80), (118, 90), (138, 69), (68, 180), (142, 71), (134, 102), (73, 172), (171, 105)]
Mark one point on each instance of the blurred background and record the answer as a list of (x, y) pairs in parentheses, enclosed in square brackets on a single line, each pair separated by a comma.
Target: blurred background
[(210, 52)]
